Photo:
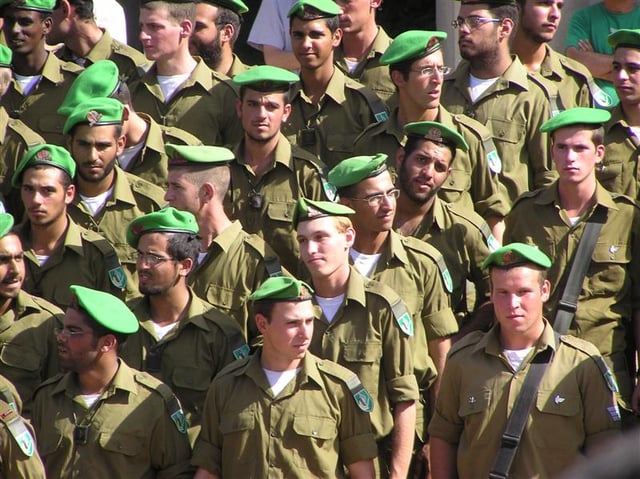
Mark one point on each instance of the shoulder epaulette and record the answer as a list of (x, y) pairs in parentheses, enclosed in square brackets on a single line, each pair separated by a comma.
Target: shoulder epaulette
[(71, 67), (486, 137), (29, 136), (145, 188), (46, 306), (17, 428), (468, 340), (527, 194), (623, 198), (235, 367), (591, 351), (430, 250), (49, 381), (174, 408), (114, 268), (397, 306), (231, 331), (271, 261), (227, 81), (376, 105), (360, 395), (174, 135), (299, 153), (475, 220)]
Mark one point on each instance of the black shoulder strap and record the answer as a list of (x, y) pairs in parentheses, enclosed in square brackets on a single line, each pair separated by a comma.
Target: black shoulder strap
[(568, 303), (520, 414)]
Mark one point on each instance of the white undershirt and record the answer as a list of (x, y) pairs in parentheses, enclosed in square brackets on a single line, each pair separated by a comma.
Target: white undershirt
[(162, 331), (27, 83), (169, 84), (516, 356), (42, 258), (95, 203), (330, 306), (478, 86), (364, 263), (351, 65), (278, 380), (201, 257), (128, 155), (573, 220), (90, 399)]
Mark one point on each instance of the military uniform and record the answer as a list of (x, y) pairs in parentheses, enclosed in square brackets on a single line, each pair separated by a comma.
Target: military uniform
[(478, 390), (38, 109), (294, 173), (84, 258), (329, 129), (28, 348), (369, 72), (18, 456), (308, 430), (237, 67), (474, 174), (132, 63), (236, 264), (131, 197), (189, 356), (608, 296), (131, 431), (204, 105), (513, 109)]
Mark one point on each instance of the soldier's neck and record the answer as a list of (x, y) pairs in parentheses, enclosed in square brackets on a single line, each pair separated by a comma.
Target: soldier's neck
[(226, 61), (97, 379), (576, 199), (490, 66), (86, 36), (259, 155), (86, 188), (335, 284), (530, 52), (631, 113), (410, 214), (170, 306), (355, 46), (315, 82), (370, 242), (30, 64), (211, 223), (274, 361), (179, 64), (409, 111), (135, 129), (518, 341), (45, 239)]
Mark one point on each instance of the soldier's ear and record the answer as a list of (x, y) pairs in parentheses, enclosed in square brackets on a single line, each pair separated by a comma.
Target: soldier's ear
[(545, 290), (239, 107), (207, 192), (399, 158), (261, 322)]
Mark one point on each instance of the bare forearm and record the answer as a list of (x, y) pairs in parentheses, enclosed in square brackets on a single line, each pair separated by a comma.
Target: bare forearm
[(443, 459), (599, 64), (404, 425), (204, 474), (362, 470), (496, 223), (438, 350), (280, 58)]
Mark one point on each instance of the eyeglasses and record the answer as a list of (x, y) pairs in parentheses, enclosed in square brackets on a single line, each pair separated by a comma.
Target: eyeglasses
[(473, 21), (150, 258), (377, 199), (68, 333), (431, 70)]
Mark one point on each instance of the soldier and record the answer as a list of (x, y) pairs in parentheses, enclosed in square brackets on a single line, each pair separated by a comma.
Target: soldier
[(28, 353), (182, 340), (554, 219), (59, 252), (215, 33), (492, 87), (232, 263), (363, 43), (575, 408), (328, 109), (268, 174), (459, 234), (108, 197), (180, 90), (40, 79), (103, 419), (85, 43), (283, 411), (364, 326), (416, 63)]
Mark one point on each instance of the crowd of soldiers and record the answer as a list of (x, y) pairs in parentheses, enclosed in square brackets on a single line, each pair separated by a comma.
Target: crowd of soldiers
[(359, 265)]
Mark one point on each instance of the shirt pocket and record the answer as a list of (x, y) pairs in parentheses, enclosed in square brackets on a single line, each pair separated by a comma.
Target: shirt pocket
[(315, 438), (473, 410), (280, 211), (508, 137), (557, 420), (608, 270), (340, 143), (51, 124), (18, 357), (363, 358), (122, 443), (191, 384), (239, 435), (609, 172), (225, 299)]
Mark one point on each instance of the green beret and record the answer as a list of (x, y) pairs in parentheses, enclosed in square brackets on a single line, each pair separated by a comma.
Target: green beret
[(6, 223), (307, 210), (198, 154), (50, 155), (517, 254), (576, 116), (100, 80), (95, 112), (166, 220), (411, 45), (236, 6), (436, 132), (624, 37), (106, 310), (282, 288), (492, 3), (39, 5), (353, 170), (313, 9), (5, 56), (266, 78)]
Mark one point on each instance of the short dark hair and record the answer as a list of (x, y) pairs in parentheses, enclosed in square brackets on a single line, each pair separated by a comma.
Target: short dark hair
[(83, 8), (263, 307), (123, 94), (229, 17), (333, 23), (181, 246), (96, 328)]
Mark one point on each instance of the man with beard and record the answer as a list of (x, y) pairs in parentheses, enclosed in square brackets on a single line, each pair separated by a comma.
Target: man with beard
[(459, 234), (215, 33), (107, 197), (493, 88), (182, 340), (28, 353), (269, 174), (103, 419), (59, 252)]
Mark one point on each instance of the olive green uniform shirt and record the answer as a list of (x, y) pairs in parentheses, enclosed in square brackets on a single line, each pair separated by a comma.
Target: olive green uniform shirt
[(478, 391), (369, 72), (513, 109), (329, 128), (131, 198), (236, 264), (365, 337), (308, 430), (38, 110), (85, 258), (189, 356), (204, 105), (610, 292), (293, 173), (132, 64), (28, 347), (237, 67), (131, 433)]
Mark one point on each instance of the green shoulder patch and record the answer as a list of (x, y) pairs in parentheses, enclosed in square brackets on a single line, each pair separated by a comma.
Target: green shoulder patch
[(117, 277), (403, 318), (171, 402), (180, 421), (360, 395), (17, 428)]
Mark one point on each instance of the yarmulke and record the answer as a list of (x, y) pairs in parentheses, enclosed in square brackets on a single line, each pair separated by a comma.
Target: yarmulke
[(6, 223), (38, 5), (50, 155), (166, 220), (517, 254), (266, 78), (282, 288), (436, 132), (307, 210), (5, 56), (237, 6), (95, 112), (313, 9), (100, 80), (576, 116), (106, 310), (197, 154), (353, 170), (412, 44)]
